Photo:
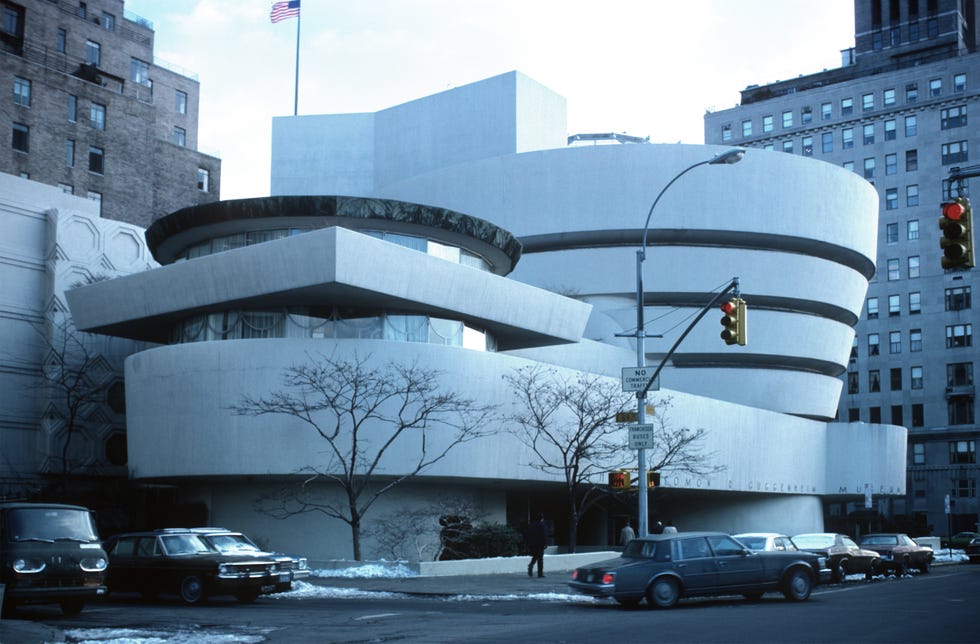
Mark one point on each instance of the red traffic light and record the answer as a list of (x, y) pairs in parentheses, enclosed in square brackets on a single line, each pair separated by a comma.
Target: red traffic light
[(953, 210), (728, 307)]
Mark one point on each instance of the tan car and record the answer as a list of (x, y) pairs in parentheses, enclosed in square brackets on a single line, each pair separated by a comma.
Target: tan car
[(899, 553), (844, 556)]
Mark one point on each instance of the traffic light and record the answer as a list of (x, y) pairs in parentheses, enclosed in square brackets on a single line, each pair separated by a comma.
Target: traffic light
[(734, 322), (957, 239), (619, 480), (653, 479)]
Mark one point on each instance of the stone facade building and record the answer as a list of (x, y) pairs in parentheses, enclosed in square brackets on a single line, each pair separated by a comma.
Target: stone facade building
[(896, 114), (87, 108)]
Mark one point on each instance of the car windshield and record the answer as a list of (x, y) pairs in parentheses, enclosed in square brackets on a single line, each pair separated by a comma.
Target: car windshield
[(813, 540), (51, 524), (880, 540), (229, 543), (184, 544)]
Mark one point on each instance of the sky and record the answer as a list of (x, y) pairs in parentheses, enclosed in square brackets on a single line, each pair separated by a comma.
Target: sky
[(640, 67)]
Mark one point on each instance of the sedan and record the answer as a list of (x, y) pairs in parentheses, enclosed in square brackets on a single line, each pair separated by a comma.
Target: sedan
[(181, 562), (229, 542), (960, 539), (972, 550), (766, 541), (844, 556), (898, 552), (662, 568)]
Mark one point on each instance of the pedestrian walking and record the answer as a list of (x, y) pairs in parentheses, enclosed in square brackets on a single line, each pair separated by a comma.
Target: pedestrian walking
[(537, 538), (669, 528), (626, 534)]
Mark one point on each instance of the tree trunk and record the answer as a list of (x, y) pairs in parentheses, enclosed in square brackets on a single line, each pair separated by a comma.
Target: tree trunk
[(572, 526)]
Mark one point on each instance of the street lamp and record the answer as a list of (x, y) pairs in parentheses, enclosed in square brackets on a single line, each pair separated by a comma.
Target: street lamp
[(725, 158)]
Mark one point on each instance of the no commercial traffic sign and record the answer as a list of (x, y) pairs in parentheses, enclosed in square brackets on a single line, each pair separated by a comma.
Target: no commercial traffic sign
[(636, 378)]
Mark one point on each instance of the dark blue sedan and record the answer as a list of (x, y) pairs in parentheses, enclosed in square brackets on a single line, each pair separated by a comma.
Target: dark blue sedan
[(664, 568)]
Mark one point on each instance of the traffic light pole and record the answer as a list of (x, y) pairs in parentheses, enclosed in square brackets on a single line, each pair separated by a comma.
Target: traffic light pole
[(728, 157)]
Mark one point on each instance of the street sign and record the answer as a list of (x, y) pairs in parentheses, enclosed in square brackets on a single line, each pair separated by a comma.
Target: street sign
[(631, 416), (640, 436), (636, 378)]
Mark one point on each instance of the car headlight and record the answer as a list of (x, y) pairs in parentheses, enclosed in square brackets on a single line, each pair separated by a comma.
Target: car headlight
[(301, 563), (97, 564), (225, 569), (28, 565), (273, 568), (822, 561)]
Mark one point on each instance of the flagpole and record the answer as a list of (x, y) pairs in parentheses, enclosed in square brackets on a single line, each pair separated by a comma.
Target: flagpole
[(299, 17)]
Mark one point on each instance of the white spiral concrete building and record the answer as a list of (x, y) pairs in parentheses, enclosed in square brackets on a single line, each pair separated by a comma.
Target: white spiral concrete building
[(799, 234)]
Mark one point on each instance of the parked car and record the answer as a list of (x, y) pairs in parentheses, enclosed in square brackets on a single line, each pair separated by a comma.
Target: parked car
[(844, 556), (662, 568), (972, 550), (898, 552), (182, 562), (960, 540), (50, 553), (761, 541), (229, 542)]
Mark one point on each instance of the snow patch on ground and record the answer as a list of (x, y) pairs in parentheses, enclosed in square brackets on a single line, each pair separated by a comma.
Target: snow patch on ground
[(188, 635)]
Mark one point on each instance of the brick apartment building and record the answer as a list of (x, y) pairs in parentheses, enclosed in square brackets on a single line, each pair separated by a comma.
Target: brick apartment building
[(88, 109)]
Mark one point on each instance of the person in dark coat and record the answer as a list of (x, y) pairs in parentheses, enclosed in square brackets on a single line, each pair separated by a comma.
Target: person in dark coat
[(537, 537)]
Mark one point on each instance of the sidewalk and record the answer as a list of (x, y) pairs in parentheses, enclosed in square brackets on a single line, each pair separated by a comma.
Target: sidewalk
[(507, 584)]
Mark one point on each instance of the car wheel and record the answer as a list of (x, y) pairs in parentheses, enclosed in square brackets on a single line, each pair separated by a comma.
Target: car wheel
[(926, 566), (663, 593), (840, 569), (797, 585), (72, 607), (191, 590), (753, 596)]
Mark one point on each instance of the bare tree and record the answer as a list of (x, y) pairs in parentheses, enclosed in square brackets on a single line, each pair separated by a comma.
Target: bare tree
[(366, 415), (570, 425), (678, 450), (73, 374)]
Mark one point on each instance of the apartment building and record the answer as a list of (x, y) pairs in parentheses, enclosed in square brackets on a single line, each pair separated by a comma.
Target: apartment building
[(896, 113), (89, 109)]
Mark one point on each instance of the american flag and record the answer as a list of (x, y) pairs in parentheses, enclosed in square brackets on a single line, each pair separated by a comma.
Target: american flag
[(283, 10)]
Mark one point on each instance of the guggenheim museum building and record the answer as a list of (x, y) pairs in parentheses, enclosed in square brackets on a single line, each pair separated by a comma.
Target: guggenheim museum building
[(467, 233)]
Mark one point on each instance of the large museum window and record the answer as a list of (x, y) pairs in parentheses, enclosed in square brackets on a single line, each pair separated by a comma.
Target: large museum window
[(332, 323), (853, 382)]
